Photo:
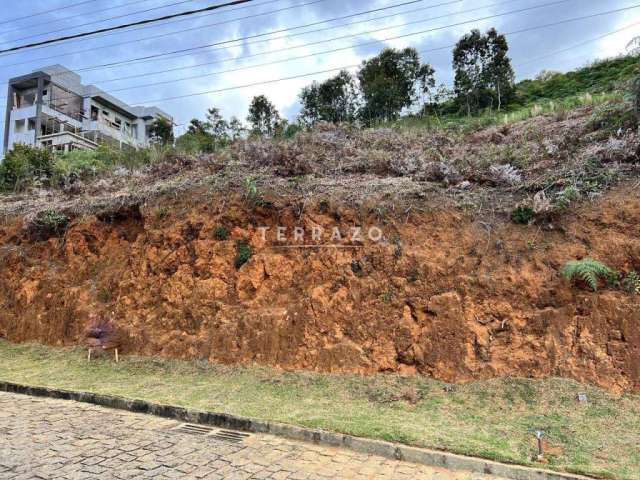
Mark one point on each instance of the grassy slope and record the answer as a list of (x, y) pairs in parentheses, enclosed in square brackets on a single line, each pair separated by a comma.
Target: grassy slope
[(490, 419), (599, 82)]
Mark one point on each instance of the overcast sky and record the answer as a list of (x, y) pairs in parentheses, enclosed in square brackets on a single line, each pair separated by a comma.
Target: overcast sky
[(429, 31)]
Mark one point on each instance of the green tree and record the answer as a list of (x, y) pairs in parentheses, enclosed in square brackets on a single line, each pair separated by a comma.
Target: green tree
[(197, 127), (334, 100), (209, 135), (263, 117), (392, 81), (483, 71), (236, 129), (217, 127), (161, 131), (498, 71)]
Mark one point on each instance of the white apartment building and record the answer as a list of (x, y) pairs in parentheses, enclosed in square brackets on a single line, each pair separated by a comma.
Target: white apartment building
[(52, 108)]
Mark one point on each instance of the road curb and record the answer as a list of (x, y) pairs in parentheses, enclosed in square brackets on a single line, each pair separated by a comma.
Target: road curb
[(321, 437)]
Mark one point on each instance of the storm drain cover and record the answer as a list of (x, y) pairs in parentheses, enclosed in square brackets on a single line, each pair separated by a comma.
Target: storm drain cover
[(202, 430), (229, 436), (193, 429)]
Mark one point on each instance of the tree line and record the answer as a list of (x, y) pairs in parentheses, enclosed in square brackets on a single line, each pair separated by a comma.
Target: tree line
[(384, 87)]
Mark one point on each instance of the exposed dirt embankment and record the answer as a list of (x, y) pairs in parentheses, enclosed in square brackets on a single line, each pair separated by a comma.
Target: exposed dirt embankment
[(442, 294)]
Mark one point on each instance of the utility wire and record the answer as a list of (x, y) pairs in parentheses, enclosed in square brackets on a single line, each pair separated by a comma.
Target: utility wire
[(577, 45), (144, 27), (333, 39), (348, 67), (312, 2), (527, 29), (591, 40), (44, 12), (153, 37), (124, 15), (126, 25), (308, 32), (227, 42), (56, 20)]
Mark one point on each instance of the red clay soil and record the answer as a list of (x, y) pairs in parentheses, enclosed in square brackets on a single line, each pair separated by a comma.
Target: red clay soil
[(445, 295)]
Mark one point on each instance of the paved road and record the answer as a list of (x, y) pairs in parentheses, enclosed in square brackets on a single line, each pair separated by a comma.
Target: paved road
[(58, 439)]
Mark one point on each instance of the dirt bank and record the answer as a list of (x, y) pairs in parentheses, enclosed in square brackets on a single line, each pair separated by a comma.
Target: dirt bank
[(442, 294)]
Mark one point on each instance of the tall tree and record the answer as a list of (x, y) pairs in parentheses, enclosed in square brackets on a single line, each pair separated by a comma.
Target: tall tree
[(483, 71), (217, 127), (334, 100), (498, 70), (392, 81), (263, 116), (236, 129), (161, 131)]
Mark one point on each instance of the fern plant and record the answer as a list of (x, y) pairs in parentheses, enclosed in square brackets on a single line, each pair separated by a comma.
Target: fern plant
[(588, 270)]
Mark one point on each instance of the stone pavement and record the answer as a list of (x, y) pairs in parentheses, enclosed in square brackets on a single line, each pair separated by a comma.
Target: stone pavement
[(59, 439)]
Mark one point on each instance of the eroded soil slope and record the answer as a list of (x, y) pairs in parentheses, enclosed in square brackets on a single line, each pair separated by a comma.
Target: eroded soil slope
[(443, 294)]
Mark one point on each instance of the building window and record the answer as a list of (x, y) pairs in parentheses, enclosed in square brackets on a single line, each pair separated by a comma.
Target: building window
[(94, 113)]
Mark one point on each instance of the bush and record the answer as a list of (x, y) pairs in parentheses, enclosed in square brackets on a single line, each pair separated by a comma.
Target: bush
[(79, 163), (589, 271), (522, 215), (612, 117), (243, 254), (24, 165), (47, 224), (220, 233)]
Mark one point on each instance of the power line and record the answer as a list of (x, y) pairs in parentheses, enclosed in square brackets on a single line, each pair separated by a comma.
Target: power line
[(577, 45), (527, 29), (152, 9), (44, 12), (312, 2), (33, 25), (421, 52), (249, 37), (153, 37), (348, 67), (350, 24), (305, 45), (126, 25)]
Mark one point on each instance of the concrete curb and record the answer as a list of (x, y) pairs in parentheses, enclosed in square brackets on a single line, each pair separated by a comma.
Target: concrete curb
[(361, 445)]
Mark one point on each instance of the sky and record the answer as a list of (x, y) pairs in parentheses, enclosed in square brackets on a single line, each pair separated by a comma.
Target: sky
[(229, 47)]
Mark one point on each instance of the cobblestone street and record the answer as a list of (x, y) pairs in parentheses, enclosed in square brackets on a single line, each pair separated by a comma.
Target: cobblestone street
[(58, 439)]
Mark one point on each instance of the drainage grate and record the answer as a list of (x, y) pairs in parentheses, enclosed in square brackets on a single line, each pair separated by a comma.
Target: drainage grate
[(229, 436), (193, 429)]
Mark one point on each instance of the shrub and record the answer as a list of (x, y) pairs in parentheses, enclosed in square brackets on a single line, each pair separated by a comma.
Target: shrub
[(522, 215), (243, 254), (614, 116), (567, 196), (220, 233), (23, 165), (80, 163), (252, 194), (589, 271), (47, 224)]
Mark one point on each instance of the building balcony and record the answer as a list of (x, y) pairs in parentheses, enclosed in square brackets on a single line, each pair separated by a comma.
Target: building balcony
[(107, 130), (23, 113), (24, 138)]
